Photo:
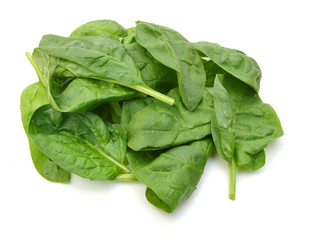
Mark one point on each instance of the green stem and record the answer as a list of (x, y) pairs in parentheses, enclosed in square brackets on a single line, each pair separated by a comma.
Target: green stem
[(232, 179), (36, 67), (153, 93), (126, 177)]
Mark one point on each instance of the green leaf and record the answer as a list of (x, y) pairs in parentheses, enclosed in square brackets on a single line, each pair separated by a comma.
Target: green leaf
[(221, 124), (33, 97), (80, 143), (242, 125), (172, 176), (211, 69), (174, 51), (155, 75), (83, 94), (159, 125), (232, 61), (110, 112), (89, 57), (100, 28), (130, 38), (131, 107)]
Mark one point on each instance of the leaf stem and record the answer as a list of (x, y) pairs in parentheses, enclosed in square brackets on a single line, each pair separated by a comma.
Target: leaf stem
[(232, 179), (126, 177), (153, 93), (36, 67)]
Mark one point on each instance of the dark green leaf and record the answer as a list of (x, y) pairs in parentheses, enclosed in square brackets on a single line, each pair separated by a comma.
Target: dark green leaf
[(110, 112), (173, 50), (80, 143)]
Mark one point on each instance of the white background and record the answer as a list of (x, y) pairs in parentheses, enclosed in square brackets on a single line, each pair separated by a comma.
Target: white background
[(271, 203)]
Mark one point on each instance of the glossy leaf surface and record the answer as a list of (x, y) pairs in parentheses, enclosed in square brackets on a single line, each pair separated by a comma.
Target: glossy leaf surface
[(81, 143)]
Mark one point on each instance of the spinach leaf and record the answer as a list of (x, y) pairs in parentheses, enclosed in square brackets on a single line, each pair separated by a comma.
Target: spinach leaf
[(110, 112), (90, 57), (154, 74), (211, 69), (171, 177), (174, 51), (242, 125), (101, 28), (80, 143), (131, 107), (232, 61), (159, 125), (70, 94), (84, 94), (131, 32), (130, 38), (33, 97)]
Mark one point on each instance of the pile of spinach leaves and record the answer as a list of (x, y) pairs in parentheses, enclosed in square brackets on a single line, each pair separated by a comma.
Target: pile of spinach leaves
[(143, 104)]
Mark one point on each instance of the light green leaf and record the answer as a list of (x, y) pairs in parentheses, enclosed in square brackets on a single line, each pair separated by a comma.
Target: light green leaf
[(232, 61), (100, 28), (33, 97)]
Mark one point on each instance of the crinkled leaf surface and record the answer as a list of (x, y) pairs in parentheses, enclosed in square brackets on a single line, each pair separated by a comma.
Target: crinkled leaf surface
[(174, 51), (243, 125), (101, 28), (33, 97), (61, 59), (172, 176), (90, 57), (81, 143), (233, 61), (155, 75), (159, 125)]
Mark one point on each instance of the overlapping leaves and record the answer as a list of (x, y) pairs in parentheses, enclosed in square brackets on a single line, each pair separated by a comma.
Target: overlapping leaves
[(89, 114)]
